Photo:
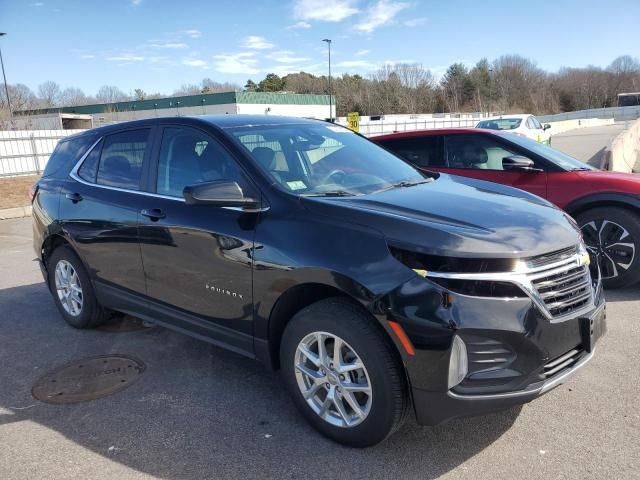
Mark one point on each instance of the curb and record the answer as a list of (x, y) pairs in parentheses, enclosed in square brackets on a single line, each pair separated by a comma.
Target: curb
[(17, 212)]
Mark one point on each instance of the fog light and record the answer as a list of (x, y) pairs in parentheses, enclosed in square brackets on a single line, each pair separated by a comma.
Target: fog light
[(458, 364)]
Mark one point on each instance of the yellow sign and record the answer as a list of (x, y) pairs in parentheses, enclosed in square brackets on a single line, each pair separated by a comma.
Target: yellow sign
[(353, 119)]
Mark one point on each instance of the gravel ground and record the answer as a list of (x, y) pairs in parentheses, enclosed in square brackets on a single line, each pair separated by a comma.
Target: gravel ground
[(200, 412)]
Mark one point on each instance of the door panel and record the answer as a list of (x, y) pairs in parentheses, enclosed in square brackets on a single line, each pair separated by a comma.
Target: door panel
[(197, 258), (99, 208)]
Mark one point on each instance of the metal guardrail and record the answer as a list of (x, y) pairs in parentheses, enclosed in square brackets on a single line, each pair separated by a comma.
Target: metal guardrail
[(617, 113)]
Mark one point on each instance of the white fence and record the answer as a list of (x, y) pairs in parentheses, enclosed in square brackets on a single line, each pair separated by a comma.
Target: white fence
[(617, 113), (382, 127), (27, 152)]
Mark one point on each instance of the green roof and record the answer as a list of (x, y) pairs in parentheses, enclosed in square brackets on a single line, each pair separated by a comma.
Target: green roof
[(280, 98)]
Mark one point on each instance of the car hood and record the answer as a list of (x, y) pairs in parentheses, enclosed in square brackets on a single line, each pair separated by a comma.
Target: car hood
[(457, 216), (613, 181)]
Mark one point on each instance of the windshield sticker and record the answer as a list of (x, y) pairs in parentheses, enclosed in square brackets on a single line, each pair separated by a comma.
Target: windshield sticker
[(296, 185)]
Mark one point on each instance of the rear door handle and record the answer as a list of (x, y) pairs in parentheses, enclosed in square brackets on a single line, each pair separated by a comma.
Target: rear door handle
[(153, 214), (74, 197)]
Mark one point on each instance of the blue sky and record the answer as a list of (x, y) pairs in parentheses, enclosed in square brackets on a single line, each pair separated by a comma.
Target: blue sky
[(157, 45)]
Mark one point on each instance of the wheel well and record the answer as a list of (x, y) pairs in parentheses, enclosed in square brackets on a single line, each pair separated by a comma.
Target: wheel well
[(290, 303), (575, 211), (50, 244)]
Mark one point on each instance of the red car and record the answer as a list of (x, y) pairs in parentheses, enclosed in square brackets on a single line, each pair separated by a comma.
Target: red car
[(606, 205)]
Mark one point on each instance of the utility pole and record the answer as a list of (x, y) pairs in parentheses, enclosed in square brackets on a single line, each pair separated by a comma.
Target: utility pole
[(6, 88), (328, 40)]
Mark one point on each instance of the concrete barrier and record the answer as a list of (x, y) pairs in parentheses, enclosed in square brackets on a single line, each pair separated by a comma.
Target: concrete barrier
[(566, 125), (625, 150)]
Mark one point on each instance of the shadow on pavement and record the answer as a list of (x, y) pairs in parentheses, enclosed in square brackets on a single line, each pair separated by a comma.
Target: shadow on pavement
[(630, 294), (199, 411)]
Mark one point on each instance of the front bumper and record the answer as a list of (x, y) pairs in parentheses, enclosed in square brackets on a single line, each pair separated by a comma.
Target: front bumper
[(515, 353)]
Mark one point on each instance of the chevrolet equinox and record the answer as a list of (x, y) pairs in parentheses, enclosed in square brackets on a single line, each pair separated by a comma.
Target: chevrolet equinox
[(373, 287)]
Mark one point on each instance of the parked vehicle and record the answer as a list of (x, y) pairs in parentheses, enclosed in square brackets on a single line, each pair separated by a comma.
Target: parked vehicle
[(371, 286), (525, 125), (606, 205)]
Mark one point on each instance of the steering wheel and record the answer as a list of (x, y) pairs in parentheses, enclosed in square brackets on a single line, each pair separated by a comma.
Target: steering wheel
[(332, 174)]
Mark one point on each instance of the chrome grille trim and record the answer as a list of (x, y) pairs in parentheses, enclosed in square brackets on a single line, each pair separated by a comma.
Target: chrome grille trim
[(561, 290), (561, 362)]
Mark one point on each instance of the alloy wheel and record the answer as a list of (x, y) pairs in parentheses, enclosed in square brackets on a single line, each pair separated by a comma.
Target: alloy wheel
[(612, 245), (333, 379), (68, 288)]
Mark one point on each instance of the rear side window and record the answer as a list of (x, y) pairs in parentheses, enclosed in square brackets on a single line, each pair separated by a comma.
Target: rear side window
[(89, 168), (427, 151), (121, 159), (66, 155)]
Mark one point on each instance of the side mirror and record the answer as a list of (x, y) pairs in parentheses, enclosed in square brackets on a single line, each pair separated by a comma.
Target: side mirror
[(517, 162), (546, 126), (221, 193)]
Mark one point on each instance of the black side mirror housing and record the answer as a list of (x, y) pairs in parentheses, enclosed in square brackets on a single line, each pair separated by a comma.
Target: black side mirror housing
[(546, 126), (221, 193), (517, 162)]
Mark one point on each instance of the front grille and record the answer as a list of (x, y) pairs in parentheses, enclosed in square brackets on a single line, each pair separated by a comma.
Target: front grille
[(550, 258), (563, 362), (566, 291)]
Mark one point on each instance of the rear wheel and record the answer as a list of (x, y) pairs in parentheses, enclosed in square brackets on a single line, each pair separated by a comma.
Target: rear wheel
[(612, 234), (342, 374), (72, 290)]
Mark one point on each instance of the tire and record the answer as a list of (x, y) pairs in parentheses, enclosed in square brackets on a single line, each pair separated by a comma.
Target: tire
[(388, 401), (613, 235), (89, 314)]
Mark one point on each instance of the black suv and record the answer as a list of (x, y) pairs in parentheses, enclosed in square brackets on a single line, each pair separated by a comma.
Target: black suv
[(371, 285)]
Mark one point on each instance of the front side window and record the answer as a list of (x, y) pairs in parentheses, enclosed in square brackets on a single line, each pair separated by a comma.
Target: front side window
[(188, 157), (476, 152), (536, 123), (319, 159), (427, 151), (121, 159)]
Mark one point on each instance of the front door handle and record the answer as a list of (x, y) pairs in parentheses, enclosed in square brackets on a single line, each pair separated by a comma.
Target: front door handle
[(74, 197), (153, 214)]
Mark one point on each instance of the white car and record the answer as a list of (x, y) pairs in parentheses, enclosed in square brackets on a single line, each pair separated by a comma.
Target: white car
[(525, 125)]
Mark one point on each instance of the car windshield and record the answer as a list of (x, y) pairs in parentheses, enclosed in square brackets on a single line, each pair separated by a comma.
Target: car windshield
[(328, 160), (563, 160), (500, 124)]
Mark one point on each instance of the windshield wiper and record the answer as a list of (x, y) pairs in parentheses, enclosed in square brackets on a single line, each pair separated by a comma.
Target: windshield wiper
[(330, 193), (405, 184), (580, 169)]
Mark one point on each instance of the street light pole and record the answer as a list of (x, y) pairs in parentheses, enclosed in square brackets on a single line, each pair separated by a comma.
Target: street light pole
[(6, 88), (328, 40)]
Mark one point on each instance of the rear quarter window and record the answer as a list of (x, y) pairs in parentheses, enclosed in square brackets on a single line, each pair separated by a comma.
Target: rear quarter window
[(66, 155)]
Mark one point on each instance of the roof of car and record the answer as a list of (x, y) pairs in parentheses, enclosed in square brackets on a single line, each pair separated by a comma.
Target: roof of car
[(221, 121), (521, 116), (433, 131)]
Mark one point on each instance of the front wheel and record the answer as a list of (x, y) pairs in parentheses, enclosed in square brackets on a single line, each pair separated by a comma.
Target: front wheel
[(612, 235), (342, 374)]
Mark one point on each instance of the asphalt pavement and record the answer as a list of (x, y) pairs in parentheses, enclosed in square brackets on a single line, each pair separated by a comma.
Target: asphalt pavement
[(201, 412), (587, 144)]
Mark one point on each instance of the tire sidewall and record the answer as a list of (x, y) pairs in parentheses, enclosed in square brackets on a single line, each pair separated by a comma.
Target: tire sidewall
[(89, 304), (381, 418), (631, 222)]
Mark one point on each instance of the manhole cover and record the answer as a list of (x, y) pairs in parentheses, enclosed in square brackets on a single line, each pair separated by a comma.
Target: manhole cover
[(125, 324), (88, 379)]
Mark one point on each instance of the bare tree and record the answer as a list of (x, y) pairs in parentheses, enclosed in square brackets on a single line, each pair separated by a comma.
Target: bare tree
[(72, 96), (111, 94), (49, 94)]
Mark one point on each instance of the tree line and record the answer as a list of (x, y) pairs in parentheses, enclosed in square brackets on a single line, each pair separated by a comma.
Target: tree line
[(510, 83)]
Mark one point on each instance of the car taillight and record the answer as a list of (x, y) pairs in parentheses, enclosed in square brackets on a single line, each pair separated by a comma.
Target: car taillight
[(33, 189)]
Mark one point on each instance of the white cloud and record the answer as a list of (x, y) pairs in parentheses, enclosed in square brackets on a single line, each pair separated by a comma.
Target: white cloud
[(362, 53), (193, 33), (38, 4), (300, 25), (286, 56), (380, 14), (194, 62), (239, 63), (415, 22), (87, 56), (324, 10), (255, 42), (169, 45), (126, 57), (135, 3)]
